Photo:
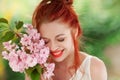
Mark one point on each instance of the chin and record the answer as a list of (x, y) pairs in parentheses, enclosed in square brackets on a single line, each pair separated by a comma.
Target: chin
[(58, 60)]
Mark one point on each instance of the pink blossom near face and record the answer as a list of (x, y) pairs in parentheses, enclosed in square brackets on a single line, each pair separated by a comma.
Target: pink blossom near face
[(5, 55), (8, 45), (18, 57), (25, 40), (49, 72)]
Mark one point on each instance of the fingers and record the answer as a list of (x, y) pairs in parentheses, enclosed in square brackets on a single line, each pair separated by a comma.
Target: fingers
[(42, 78), (27, 77)]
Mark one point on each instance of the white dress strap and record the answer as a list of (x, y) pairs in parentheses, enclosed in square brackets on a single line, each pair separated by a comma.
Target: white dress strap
[(83, 73), (86, 68)]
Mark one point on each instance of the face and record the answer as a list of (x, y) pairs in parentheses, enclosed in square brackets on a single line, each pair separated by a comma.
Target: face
[(57, 36)]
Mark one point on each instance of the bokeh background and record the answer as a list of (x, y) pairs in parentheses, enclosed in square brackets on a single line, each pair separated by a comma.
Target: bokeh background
[(99, 19)]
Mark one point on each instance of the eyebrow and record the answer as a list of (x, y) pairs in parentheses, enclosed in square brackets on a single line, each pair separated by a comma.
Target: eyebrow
[(59, 35), (55, 37)]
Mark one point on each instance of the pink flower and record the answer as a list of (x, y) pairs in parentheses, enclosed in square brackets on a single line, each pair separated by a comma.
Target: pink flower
[(41, 43), (50, 68), (36, 36), (5, 55), (43, 55), (28, 59), (36, 48), (25, 40), (31, 61), (29, 53), (13, 65), (30, 47), (13, 56), (22, 55), (21, 66), (33, 33), (13, 61), (28, 26), (7, 45)]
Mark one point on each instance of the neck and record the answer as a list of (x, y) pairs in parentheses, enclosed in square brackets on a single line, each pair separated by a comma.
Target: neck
[(64, 66), (67, 63)]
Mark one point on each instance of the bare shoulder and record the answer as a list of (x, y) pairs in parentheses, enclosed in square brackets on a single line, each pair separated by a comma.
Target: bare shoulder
[(98, 69)]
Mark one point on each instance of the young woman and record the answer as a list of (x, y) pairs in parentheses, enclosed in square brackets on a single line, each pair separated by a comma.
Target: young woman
[(59, 27)]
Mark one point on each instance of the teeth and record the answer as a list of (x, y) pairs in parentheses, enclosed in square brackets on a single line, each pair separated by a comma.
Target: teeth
[(57, 53)]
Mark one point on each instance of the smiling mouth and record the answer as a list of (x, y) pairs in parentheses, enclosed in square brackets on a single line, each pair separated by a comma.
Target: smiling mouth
[(57, 53)]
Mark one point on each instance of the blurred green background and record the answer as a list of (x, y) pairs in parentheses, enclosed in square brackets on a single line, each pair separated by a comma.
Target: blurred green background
[(99, 19)]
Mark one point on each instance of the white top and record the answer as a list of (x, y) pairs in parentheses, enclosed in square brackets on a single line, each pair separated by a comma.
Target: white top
[(83, 73)]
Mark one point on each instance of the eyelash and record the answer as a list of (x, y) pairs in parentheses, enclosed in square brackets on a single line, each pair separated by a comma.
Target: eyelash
[(61, 40)]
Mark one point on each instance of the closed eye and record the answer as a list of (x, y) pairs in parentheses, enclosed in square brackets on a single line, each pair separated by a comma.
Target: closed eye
[(61, 39)]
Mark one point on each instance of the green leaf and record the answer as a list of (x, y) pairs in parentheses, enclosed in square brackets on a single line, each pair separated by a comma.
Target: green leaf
[(3, 27), (35, 75), (29, 71), (9, 35), (3, 20), (16, 40), (39, 69), (34, 72), (1, 34), (19, 25), (23, 30)]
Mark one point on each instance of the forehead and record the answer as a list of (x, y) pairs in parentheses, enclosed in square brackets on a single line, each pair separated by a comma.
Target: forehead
[(54, 28)]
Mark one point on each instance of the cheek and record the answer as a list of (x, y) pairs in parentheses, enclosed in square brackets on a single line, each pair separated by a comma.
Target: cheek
[(69, 45), (48, 45)]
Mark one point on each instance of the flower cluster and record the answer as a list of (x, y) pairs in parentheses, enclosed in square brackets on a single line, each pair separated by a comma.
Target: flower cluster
[(29, 52)]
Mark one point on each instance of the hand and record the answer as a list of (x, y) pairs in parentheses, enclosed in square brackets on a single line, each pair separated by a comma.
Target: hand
[(27, 77), (42, 78)]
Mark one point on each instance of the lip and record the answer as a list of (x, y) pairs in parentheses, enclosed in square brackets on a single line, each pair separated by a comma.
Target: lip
[(57, 53)]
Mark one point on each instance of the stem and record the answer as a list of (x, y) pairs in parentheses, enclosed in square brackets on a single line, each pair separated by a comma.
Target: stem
[(18, 35)]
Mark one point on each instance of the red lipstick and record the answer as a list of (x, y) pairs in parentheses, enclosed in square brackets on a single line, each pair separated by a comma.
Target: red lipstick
[(57, 53)]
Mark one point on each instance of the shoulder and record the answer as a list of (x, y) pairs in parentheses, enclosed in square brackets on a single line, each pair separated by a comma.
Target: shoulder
[(98, 69)]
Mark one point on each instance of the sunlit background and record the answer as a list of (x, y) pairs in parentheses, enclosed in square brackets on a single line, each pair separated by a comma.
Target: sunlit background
[(99, 19)]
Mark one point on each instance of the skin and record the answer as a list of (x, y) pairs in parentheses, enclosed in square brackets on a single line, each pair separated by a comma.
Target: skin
[(57, 36)]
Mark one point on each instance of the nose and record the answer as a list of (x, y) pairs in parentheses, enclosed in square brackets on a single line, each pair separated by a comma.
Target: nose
[(53, 46)]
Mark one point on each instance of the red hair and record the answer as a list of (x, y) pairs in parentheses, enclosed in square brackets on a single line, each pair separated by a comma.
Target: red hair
[(51, 10)]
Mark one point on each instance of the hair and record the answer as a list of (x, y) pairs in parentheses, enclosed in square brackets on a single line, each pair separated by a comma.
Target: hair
[(51, 10)]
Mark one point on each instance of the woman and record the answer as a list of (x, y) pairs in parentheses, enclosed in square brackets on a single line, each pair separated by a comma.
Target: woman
[(59, 27)]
